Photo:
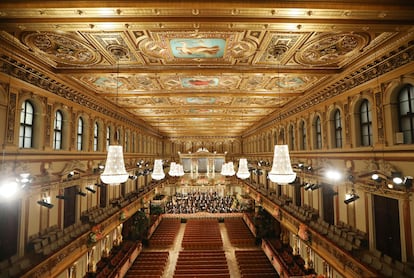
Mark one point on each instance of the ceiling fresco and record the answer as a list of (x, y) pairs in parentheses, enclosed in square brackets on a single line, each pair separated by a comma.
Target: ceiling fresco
[(197, 69)]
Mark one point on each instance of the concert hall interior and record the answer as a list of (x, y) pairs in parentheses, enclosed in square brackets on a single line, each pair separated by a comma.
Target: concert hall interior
[(182, 139)]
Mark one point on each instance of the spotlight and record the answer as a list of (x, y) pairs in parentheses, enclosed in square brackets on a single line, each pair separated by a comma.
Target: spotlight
[(333, 175), (45, 203), (408, 181), (81, 193), (351, 197), (71, 174), (61, 197), (376, 177), (315, 186), (98, 184), (133, 177), (397, 178), (308, 186), (90, 189)]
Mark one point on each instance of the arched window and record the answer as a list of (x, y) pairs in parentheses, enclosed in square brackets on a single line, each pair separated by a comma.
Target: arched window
[(108, 137), (318, 133), (133, 142), (95, 137), (57, 130), (79, 134), (303, 135), (292, 137), (365, 123), (26, 125), (282, 137), (406, 113), (126, 142), (338, 129)]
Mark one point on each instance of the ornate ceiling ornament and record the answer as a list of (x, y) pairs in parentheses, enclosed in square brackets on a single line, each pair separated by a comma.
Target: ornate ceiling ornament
[(61, 49)]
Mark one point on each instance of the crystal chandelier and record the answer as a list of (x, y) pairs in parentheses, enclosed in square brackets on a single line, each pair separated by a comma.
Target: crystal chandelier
[(176, 170), (281, 172), (114, 172), (228, 169), (158, 173), (243, 171)]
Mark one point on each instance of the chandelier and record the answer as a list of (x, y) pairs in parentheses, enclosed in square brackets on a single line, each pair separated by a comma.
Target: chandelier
[(281, 172), (114, 172), (243, 171), (176, 170), (227, 169), (158, 173)]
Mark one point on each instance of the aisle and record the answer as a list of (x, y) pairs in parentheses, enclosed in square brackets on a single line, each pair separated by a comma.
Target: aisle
[(229, 251), (174, 250)]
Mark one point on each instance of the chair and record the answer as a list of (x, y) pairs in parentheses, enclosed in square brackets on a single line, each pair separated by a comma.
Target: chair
[(367, 258), (376, 253), (387, 259), (386, 270), (376, 264)]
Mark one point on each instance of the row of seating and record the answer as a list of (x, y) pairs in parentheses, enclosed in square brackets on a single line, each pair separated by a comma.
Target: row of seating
[(254, 263), (96, 215), (293, 265), (58, 239), (238, 232), (303, 213), (165, 233), (201, 263), (149, 265), (202, 234), (385, 265), (110, 266)]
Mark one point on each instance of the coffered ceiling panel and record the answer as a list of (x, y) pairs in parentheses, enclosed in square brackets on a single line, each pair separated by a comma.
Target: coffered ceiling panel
[(214, 68)]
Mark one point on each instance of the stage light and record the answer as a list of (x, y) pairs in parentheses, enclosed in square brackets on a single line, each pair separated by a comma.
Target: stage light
[(90, 189), (81, 193), (397, 178), (350, 197), (45, 202)]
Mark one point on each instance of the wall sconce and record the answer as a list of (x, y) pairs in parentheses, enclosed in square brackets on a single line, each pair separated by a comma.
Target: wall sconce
[(90, 189), (350, 197), (45, 202)]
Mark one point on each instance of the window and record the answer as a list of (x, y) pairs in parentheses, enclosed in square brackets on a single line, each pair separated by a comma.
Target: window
[(95, 137), (292, 137), (126, 142), (26, 125), (406, 113), (57, 130), (365, 123), (79, 134), (318, 133), (338, 129), (108, 137), (303, 134)]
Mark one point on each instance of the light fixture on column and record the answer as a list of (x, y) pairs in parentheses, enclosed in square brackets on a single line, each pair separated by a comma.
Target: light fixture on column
[(281, 172), (243, 171), (158, 173)]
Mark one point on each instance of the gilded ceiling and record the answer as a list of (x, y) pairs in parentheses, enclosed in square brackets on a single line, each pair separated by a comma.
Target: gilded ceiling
[(214, 68)]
